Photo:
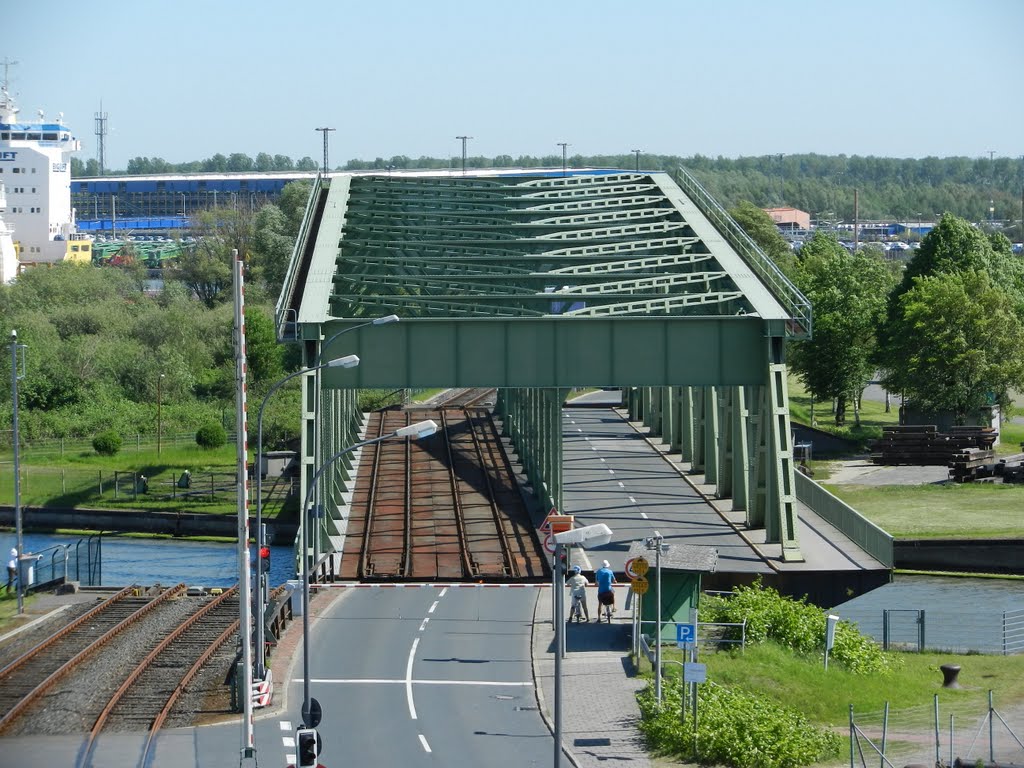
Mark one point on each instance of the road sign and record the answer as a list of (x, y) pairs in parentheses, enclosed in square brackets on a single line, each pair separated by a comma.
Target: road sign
[(636, 567), (313, 715), (549, 543), (686, 633), (694, 672), (640, 585)]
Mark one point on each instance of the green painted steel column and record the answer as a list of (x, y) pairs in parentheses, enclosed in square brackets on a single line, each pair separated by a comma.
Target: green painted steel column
[(686, 423), (784, 496), (726, 456), (698, 429), (673, 424), (741, 449), (757, 509), (711, 436)]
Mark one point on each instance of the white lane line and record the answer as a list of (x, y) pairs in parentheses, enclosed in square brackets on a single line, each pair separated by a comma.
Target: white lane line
[(577, 428), (611, 471), (423, 741), (441, 594), (404, 681), (408, 678), (423, 625), (643, 515), (285, 725), (621, 485), (632, 499), (288, 742), (291, 759), (433, 607), (603, 460)]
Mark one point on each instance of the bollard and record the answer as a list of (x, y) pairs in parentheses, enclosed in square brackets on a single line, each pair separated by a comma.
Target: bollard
[(949, 675)]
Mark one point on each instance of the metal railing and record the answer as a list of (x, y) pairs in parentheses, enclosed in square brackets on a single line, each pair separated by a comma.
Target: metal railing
[(66, 562), (1013, 632), (849, 521), (285, 318), (794, 302)]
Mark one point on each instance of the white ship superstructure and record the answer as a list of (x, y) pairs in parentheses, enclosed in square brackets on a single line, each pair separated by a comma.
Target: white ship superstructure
[(35, 168), (8, 256)]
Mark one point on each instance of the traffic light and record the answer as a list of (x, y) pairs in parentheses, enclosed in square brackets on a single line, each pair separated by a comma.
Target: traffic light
[(264, 559), (307, 742)]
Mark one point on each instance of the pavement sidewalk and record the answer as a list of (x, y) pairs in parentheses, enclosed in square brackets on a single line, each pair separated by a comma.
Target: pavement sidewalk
[(599, 709)]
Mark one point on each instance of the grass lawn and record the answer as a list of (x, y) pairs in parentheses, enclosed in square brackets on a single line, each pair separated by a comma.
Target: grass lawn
[(939, 511), (83, 479), (824, 697)]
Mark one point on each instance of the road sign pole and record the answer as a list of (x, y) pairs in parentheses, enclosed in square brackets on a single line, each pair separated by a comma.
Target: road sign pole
[(557, 597), (657, 599)]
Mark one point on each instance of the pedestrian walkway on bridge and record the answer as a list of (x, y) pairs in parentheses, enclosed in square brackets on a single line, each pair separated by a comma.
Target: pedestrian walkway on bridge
[(615, 474)]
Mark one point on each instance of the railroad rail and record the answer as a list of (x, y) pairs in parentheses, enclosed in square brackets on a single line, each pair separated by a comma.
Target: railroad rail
[(458, 398), (150, 691), (447, 508), (25, 680)]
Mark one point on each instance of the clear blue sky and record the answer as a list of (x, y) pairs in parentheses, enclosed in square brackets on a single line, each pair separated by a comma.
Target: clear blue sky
[(187, 79)]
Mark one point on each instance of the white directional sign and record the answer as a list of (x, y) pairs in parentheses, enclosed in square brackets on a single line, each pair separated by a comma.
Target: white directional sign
[(694, 672), (686, 633)]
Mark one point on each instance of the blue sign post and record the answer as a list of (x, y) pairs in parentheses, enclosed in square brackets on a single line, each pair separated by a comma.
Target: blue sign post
[(686, 634)]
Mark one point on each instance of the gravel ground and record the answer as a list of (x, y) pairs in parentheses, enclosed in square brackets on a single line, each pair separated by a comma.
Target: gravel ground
[(25, 641)]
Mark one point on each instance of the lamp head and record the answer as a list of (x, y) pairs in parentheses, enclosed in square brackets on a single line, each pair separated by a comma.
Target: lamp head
[(588, 536), (417, 430), (348, 361), (385, 320)]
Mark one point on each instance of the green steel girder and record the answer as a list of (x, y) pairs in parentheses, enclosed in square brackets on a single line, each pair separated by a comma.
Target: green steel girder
[(537, 283)]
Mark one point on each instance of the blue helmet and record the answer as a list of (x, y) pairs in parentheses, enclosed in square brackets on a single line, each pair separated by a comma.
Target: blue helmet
[(576, 569)]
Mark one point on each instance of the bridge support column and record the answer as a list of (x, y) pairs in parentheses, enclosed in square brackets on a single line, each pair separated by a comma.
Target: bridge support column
[(686, 423), (697, 462), (711, 443), (726, 441), (740, 448)]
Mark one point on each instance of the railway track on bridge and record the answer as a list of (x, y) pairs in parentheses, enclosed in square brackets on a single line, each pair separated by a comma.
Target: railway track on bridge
[(447, 508), (122, 666)]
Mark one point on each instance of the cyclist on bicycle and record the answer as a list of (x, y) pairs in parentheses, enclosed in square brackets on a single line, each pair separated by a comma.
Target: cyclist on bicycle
[(578, 584)]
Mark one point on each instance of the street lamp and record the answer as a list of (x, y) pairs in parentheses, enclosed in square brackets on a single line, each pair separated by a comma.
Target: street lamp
[(15, 348), (637, 153), (415, 431), (385, 320), (563, 145), (349, 361), (159, 422), (587, 536), (464, 140)]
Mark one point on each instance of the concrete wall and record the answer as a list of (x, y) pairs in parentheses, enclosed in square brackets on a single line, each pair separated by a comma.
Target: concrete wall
[(975, 556)]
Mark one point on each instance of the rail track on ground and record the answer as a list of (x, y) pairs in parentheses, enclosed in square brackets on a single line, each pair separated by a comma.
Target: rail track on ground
[(444, 508), (122, 666), (459, 398)]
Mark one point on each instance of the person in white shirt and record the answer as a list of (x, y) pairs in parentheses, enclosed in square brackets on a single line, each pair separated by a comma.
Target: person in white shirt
[(578, 584), (12, 569)]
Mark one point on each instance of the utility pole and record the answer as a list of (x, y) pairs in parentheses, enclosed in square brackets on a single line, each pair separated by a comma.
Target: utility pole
[(101, 138), (563, 145), (464, 139), (637, 153), (326, 132), (17, 372)]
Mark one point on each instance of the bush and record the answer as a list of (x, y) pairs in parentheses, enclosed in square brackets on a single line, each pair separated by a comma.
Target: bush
[(211, 435), (795, 624), (107, 443), (734, 728)]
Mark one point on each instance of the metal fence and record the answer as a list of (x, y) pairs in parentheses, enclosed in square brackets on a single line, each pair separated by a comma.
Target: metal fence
[(858, 528), (960, 733), (59, 446)]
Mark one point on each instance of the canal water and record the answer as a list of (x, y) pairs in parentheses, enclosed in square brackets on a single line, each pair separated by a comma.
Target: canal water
[(128, 561), (956, 614)]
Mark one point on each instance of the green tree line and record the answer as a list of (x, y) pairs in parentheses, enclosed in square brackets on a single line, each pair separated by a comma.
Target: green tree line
[(977, 189)]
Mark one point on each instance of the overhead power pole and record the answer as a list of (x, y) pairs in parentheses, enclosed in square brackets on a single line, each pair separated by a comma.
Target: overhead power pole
[(326, 132), (101, 138), (563, 145)]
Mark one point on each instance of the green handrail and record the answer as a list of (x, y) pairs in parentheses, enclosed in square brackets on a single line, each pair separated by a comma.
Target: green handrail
[(794, 302)]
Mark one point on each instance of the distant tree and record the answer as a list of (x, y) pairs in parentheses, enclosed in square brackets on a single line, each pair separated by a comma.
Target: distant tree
[(306, 164), (954, 344), (763, 231), (264, 356), (211, 435), (206, 266), (264, 163), (272, 245), (292, 203), (107, 443), (848, 293), (283, 163), (240, 163)]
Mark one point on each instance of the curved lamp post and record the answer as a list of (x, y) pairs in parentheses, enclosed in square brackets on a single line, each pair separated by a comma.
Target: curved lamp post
[(385, 320), (415, 431), (349, 361)]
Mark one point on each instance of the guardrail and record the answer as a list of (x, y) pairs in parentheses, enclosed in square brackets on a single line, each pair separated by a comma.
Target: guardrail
[(794, 302), (858, 528), (284, 315)]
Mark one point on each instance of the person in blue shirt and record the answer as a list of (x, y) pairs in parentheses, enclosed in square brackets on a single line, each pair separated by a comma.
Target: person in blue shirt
[(605, 577)]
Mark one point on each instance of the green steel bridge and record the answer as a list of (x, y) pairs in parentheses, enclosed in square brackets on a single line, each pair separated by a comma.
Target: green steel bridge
[(538, 282)]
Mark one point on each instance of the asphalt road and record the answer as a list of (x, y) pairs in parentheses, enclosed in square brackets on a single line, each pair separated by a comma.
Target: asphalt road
[(426, 676)]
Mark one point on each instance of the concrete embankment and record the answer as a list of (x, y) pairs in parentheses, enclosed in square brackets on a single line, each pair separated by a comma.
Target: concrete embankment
[(132, 521), (968, 555)]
